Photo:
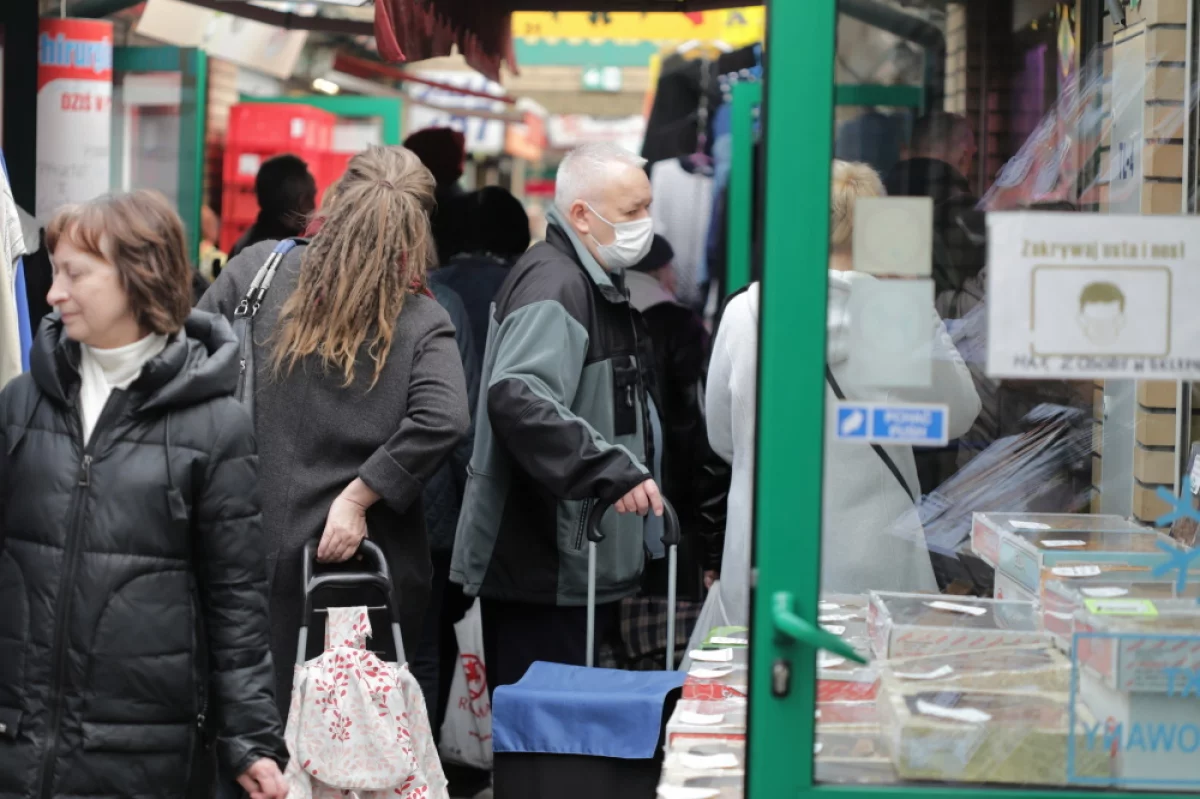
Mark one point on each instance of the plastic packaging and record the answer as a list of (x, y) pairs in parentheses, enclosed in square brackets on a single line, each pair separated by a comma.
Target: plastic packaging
[(909, 625), (1142, 645), (985, 736), (707, 720), (1062, 599), (1035, 669), (988, 528)]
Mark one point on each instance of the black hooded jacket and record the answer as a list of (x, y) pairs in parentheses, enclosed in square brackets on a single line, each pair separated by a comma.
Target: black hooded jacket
[(132, 576)]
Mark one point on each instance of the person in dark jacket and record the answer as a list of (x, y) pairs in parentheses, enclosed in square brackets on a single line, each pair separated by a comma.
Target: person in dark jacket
[(940, 155), (361, 394), (693, 476), (434, 660), (287, 195), (443, 151), (132, 571), (566, 431), (497, 234)]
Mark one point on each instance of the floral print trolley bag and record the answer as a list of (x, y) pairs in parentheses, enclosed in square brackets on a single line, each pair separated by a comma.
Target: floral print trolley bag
[(358, 726)]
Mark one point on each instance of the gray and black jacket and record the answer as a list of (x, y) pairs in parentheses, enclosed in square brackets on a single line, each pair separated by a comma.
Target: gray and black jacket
[(562, 424)]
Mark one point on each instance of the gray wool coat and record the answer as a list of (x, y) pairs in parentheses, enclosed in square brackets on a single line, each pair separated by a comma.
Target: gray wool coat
[(315, 436)]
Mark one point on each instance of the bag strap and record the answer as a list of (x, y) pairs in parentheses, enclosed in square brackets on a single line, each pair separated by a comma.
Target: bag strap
[(880, 451), (262, 281)]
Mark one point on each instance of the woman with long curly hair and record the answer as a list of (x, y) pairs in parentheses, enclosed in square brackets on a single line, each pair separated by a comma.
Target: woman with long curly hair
[(360, 391)]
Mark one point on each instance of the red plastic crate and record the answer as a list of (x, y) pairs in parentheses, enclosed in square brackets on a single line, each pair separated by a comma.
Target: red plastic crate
[(280, 127), (331, 168), (239, 205), (230, 233), (242, 163)]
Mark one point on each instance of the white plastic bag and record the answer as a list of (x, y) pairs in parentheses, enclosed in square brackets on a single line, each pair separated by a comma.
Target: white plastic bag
[(467, 730)]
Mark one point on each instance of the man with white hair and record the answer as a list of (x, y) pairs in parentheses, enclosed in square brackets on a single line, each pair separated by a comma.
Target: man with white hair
[(567, 431)]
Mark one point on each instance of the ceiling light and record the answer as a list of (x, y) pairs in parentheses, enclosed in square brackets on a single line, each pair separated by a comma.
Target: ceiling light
[(326, 86)]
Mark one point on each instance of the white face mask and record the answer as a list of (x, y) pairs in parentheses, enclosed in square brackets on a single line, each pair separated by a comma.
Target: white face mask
[(632, 242)]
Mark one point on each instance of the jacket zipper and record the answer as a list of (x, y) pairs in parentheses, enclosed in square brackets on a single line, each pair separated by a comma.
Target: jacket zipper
[(584, 512), (62, 611)]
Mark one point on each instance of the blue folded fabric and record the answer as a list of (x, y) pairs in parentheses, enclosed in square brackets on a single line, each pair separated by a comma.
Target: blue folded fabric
[(571, 710)]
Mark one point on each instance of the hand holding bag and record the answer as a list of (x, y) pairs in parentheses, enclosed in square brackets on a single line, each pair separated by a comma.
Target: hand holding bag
[(243, 319)]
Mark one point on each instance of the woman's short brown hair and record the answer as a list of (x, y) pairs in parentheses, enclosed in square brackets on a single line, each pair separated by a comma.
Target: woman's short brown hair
[(142, 237)]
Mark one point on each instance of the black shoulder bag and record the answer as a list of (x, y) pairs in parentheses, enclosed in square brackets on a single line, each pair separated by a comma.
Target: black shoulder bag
[(243, 319), (880, 451)]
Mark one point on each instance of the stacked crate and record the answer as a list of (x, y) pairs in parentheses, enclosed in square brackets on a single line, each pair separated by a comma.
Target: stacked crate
[(258, 132)]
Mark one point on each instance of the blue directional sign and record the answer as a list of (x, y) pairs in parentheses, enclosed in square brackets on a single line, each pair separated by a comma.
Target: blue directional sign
[(893, 423), (853, 422)]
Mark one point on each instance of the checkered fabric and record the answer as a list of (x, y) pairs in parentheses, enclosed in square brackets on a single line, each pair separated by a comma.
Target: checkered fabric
[(641, 644)]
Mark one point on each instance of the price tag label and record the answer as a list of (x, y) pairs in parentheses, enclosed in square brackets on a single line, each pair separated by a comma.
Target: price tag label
[(1121, 607)]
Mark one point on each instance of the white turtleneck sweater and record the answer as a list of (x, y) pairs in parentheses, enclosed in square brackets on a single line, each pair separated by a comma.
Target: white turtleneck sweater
[(101, 371)]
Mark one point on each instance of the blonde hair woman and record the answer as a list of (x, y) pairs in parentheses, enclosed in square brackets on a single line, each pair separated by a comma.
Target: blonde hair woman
[(360, 393), (872, 537)]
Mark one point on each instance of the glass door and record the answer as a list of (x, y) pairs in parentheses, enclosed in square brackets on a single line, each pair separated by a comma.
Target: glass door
[(159, 106), (972, 572)]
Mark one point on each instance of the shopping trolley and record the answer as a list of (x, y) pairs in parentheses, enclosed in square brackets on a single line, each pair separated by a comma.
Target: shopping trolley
[(350, 581), (585, 732)]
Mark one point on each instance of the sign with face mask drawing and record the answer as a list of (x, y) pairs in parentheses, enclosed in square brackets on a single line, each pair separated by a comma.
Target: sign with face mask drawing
[(1081, 296)]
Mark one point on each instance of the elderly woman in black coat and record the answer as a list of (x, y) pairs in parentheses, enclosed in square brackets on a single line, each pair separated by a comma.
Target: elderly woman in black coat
[(132, 576)]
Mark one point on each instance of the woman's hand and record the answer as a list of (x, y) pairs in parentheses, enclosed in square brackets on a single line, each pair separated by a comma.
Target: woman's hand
[(264, 781), (346, 524)]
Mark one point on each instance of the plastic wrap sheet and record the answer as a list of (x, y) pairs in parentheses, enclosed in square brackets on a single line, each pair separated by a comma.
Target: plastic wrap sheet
[(1061, 160)]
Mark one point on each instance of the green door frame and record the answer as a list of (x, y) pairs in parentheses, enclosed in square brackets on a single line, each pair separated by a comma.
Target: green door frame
[(798, 135), (192, 66), (747, 98), (388, 109)]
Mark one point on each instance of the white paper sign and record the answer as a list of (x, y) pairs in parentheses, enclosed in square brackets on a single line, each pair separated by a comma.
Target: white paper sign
[(1076, 571), (1064, 543), (936, 674), (954, 607), (711, 655), (891, 332), (1019, 525), (968, 714), (893, 236), (723, 760), (1092, 296), (1105, 592)]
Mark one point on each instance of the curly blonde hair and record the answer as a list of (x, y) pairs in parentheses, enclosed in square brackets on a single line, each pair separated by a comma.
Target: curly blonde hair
[(372, 248), (851, 180)]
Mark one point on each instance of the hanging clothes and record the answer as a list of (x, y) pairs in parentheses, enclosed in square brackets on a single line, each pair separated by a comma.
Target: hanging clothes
[(12, 247), (39, 274), (416, 30), (681, 208)]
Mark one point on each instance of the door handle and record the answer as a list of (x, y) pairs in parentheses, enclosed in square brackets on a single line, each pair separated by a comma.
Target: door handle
[(791, 626)]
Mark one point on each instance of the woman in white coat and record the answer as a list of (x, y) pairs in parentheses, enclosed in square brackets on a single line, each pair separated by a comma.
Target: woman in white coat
[(872, 538)]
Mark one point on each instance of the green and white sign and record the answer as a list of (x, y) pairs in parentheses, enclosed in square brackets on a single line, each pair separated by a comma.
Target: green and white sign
[(601, 79)]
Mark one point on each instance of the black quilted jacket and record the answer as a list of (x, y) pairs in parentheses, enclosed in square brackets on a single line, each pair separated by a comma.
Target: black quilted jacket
[(132, 576)]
